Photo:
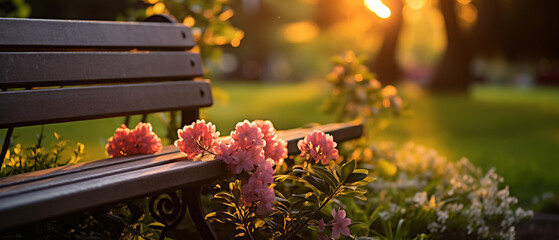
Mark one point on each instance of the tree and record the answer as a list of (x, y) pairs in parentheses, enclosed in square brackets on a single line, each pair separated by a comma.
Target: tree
[(385, 65), (453, 72)]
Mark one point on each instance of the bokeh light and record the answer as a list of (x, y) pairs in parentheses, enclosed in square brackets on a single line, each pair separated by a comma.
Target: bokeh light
[(378, 8)]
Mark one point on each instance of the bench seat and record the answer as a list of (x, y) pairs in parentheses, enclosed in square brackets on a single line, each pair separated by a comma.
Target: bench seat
[(50, 193)]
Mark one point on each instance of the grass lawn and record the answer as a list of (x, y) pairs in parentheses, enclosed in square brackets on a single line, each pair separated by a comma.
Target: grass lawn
[(516, 131)]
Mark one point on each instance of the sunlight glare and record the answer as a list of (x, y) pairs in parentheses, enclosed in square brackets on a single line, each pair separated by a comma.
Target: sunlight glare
[(468, 13), (378, 8), (300, 32), (415, 4)]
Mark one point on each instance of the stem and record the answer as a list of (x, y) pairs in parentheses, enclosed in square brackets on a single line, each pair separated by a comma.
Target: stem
[(203, 149), (315, 212)]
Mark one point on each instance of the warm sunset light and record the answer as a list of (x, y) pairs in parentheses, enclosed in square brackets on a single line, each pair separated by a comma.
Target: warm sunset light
[(378, 8), (416, 4), (300, 32)]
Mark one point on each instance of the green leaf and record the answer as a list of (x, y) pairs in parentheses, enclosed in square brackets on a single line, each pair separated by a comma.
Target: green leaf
[(276, 226), (297, 205), (353, 192), (299, 171), (221, 216), (279, 196), (57, 136), (223, 201), (354, 177), (326, 175), (361, 171), (156, 225), (359, 229), (348, 168), (281, 178), (317, 183), (338, 172)]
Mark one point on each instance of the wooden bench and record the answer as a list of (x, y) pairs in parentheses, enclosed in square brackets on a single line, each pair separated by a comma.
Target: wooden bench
[(108, 69)]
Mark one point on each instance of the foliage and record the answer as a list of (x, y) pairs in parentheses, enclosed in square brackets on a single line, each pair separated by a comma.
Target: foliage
[(14, 8), (357, 94), (250, 154), (209, 21), (439, 198), (22, 159), (123, 221), (418, 194)]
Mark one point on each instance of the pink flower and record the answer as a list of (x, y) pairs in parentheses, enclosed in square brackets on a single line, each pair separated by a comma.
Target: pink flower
[(340, 223), (276, 148), (118, 144), (225, 151), (321, 147), (247, 135), (141, 140), (258, 190), (264, 174), (245, 160), (197, 137), (146, 140), (267, 198), (321, 234), (321, 226), (267, 128)]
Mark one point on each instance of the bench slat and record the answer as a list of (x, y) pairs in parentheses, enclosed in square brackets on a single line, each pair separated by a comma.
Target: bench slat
[(53, 192), (45, 34), (32, 69), (29, 107), (56, 201)]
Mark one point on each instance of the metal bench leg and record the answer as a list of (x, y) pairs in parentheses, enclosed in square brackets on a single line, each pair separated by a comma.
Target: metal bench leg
[(197, 213), (169, 210)]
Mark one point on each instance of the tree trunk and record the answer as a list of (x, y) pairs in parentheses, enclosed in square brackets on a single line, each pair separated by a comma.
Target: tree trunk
[(385, 66), (453, 72)]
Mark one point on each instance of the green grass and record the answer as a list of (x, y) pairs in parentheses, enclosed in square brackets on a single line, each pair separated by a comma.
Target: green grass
[(515, 131)]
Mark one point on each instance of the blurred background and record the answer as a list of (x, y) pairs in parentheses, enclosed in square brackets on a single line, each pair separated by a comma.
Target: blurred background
[(479, 78)]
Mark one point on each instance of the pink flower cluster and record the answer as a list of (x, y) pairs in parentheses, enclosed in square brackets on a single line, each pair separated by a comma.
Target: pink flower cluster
[(339, 225), (253, 147), (258, 188), (140, 140), (318, 146), (276, 148), (196, 138)]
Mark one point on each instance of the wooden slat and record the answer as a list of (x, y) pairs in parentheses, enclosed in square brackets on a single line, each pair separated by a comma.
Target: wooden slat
[(37, 205), (45, 34), (81, 167), (31, 107), (340, 132), (31, 69), (49, 193)]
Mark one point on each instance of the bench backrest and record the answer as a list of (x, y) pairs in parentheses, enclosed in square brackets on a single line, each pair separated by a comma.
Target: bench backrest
[(108, 69)]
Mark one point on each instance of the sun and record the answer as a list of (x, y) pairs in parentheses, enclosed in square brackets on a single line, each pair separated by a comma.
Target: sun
[(378, 8)]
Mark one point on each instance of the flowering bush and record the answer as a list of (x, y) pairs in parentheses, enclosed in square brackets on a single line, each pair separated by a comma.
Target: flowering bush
[(140, 140), (255, 201), (440, 198), (417, 194), (356, 93)]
